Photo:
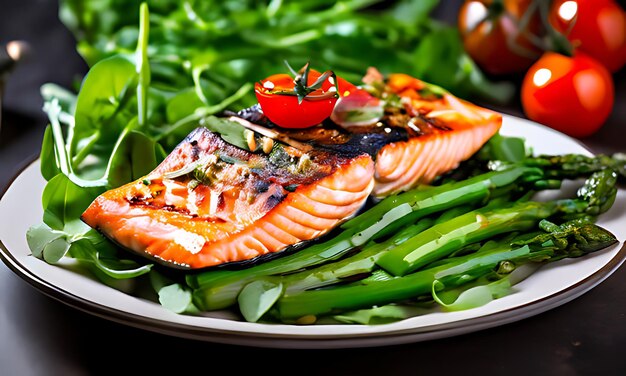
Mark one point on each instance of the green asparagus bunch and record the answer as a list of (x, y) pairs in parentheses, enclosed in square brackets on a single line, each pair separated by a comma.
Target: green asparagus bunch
[(572, 239), (408, 233)]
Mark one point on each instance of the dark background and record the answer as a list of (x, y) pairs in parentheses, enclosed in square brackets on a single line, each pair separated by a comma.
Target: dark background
[(39, 336)]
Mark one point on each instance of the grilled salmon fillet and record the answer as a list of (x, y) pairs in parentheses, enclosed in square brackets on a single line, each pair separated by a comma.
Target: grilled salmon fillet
[(449, 131), (211, 203)]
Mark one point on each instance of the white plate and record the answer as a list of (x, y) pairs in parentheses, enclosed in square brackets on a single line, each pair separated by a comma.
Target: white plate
[(551, 286)]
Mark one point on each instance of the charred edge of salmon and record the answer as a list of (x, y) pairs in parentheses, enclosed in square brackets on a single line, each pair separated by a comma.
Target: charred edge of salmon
[(333, 139), (134, 218)]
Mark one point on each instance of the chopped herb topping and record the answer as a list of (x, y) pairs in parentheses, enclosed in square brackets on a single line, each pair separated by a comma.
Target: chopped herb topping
[(279, 157)]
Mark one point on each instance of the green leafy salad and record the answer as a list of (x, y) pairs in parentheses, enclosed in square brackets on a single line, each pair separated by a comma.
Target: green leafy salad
[(456, 244)]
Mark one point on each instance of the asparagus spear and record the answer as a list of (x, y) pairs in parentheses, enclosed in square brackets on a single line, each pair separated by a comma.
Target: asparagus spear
[(572, 166), (218, 289), (364, 261), (594, 197), (572, 239)]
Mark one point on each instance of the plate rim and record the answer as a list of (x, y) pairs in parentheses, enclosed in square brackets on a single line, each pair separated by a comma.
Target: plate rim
[(304, 341)]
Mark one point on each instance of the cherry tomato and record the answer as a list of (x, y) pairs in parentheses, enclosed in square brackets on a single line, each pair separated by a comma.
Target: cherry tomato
[(492, 38), (596, 27), (573, 95), (285, 111)]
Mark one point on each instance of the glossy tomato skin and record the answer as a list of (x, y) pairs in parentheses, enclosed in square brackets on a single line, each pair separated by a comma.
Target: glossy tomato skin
[(285, 111), (573, 95), (485, 38), (596, 27)]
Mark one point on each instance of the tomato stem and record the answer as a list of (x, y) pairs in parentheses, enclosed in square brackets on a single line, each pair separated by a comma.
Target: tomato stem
[(524, 30), (556, 41), (302, 91)]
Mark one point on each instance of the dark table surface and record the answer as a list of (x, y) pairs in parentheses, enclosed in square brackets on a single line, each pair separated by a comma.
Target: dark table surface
[(40, 336)]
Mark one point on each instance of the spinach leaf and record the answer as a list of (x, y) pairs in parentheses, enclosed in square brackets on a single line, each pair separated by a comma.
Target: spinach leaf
[(213, 47), (54, 251), (39, 236), (102, 107), (472, 296), (377, 315), (257, 297), (133, 157), (174, 296), (504, 148), (64, 202), (183, 104), (104, 256), (462, 78), (49, 160), (232, 132), (411, 11), (66, 99)]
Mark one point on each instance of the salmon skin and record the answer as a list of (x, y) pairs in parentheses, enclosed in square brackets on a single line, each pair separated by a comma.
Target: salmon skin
[(210, 203), (231, 205)]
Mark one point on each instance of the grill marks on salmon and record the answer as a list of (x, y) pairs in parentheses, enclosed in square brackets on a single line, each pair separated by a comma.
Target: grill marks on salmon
[(420, 159), (243, 209), (210, 203)]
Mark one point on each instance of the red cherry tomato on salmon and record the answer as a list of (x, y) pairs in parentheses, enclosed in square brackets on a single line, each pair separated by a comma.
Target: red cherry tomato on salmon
[(573, 95), (596, 27), (285, 111), (492, 37)]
